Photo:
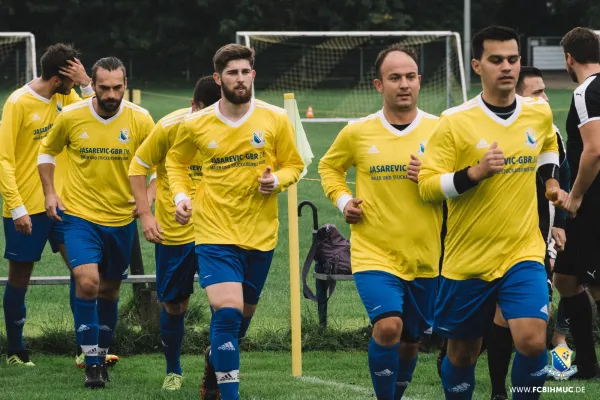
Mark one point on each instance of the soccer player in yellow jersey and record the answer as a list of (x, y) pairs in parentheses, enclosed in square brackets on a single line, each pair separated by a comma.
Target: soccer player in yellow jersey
[(247, 153), (28, 115), (176, 262), (482, 158), (101, 136), (395, 241)]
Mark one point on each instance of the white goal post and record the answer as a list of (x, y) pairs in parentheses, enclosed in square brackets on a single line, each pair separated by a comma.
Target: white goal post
[(18, 62), (332, 72)]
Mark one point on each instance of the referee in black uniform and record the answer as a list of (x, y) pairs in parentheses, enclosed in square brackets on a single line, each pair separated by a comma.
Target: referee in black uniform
[(579, 264)]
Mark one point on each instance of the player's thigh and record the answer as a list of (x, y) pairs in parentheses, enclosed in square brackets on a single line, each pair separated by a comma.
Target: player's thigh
[(221, 273), (523, 292), (499, 318), (176, 266), (27, 248), (83, 242), (464, 308), (419, 308), (256, 269), (116, 251), (382, 294)]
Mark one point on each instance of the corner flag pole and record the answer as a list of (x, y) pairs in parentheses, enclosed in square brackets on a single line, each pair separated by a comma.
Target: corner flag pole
[(290, 104)]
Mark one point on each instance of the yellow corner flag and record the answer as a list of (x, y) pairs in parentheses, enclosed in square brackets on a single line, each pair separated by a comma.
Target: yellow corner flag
[(301, 140)]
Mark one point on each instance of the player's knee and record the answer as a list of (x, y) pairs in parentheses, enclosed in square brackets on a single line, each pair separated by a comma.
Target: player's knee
[(175, 308), (408, 351), (531, 344), (463, 353), (19, 273), (567, 285), (387, 330), (87, 286)]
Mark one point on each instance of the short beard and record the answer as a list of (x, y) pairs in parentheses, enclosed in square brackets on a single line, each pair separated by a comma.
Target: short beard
[(108, 107), (233, 98), (62, 89), (572, 74)]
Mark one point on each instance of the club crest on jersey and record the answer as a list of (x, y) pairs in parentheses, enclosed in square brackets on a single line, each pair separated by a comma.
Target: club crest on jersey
[(421, 150), (124, 136), (530, 138), (561, 367), (258, 139), (58, 107)]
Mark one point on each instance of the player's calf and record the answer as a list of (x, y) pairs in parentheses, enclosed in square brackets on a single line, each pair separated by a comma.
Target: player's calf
[(408, 353), (15, 312), (172, 319), (383, 354), (458, 368)]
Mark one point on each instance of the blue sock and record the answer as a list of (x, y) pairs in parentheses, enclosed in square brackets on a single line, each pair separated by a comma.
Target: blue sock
[(383, 364), (210, 333), (14, 316), (108, 312), (528, 372), (86, 320), (225, 351), (244, 327), (72, 289), (458, 382), (171, 333), (406, 368)]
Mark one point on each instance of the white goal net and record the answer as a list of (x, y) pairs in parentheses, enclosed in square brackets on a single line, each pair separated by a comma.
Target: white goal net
[(333, 72), (17, 62)]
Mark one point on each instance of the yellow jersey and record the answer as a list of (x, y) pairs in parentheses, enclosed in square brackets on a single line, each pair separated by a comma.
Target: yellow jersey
[(233, 156), (399, 233), (494, 225), (153, 152), (27, 118), (99, 152)]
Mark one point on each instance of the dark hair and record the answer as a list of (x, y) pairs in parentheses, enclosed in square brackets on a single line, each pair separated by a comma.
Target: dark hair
[(527, 72), (499, 33), (231, 52), (206, 91), (109, 64), (412, 53), (582, 44), (55, 57)]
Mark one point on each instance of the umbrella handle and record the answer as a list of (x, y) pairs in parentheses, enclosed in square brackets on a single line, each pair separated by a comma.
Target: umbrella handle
[(314, 212)]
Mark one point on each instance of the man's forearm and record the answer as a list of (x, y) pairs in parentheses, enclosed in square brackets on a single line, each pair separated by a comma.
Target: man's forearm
[(46, 172), (138, 187), (589, 166)]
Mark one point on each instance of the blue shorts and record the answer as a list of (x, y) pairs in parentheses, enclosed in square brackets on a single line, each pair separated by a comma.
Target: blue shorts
[(29, 248), (465, 309), (219, 263), (386, 295), (107, 246), (175, 270)]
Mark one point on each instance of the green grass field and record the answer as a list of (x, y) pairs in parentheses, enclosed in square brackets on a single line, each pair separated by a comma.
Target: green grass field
[(266, 371)]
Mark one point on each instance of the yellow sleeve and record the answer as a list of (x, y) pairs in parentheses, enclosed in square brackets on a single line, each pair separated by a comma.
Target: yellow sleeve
[(288, 160), (179, 158), (333, 166), (151, 152), (12, 118), (54, 143), (439, 164)]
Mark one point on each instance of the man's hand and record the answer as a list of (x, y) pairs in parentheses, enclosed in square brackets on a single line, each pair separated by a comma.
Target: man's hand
[(183, 211), (53, 204), (413, 169), (560, 238), (353, 212), (491, 163), (267, 181), (23, 224), (565, 201), (151, 228), (76, 72), (134, 212)]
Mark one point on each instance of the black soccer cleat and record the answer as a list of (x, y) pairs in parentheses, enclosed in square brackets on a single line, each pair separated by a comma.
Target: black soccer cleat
[(209, 390), (104, 373), (93, 376)]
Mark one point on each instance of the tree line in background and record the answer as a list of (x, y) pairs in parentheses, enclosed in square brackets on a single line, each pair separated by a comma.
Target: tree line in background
[(166, 39)]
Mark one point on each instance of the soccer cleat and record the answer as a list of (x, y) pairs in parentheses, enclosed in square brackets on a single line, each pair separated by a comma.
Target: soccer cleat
[(499, 397), (104, 373), (93, 376), (209, 390), (111, 360), (172, 382), (20, 358)]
